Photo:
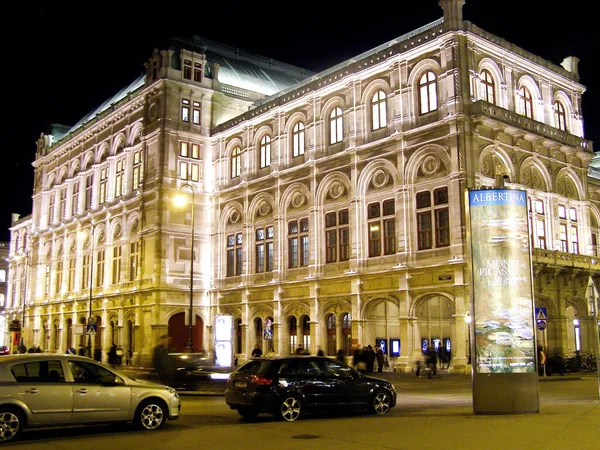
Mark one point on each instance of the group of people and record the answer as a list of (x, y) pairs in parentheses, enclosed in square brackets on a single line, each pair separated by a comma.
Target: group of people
[(430, 360), (23, 349), (364, 358)]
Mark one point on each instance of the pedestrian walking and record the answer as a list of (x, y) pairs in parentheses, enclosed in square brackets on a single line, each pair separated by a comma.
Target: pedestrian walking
[(380, 358)]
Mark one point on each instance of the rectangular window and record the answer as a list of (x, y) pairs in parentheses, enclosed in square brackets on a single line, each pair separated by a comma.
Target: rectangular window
[(187, 69), (59, 276), (116, 265), (89, 185), (85, 273), (382, 232), (562, 233), (138, 173), (196, 116), (424, 232), (432, 220), (298, 243), (185, 110), (71, 282), (197, 72), (100, 268), (119, 178), (234, 254), (134, 260), (75, 200), (62, 210), (51, 208), (184, 149), (103, 182), (47, 281), (264, 249), (574, 240), (540, 228)]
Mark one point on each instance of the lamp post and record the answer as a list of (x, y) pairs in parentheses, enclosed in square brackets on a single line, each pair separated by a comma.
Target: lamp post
[(468, 322), (180, 201), (88, 348)]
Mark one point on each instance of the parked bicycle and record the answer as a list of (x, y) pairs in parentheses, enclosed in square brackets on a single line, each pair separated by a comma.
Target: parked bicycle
[(581, 363)]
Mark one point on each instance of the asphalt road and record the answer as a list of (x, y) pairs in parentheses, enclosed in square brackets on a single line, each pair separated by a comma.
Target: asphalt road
[(430, 414)]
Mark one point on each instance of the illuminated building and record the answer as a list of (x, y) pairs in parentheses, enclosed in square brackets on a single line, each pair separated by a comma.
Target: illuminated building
[(329, 205)]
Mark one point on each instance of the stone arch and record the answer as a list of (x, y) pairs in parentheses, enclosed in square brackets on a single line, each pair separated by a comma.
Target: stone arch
[(88, 160), (531, 85), (74, 168), (494, 161), (262, 205), (336, 186), (233, 213), (568, 184), (534, 174), (102, 153), (297, 195), (564, 99), (329, 105), (135, 134), (119, 142), (491, 66), (381, 170), (431, 159)]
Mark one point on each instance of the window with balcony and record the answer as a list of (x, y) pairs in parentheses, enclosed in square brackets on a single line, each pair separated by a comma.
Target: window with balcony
[(526, 102), (379, 110), (336, 126), (236, 162), (560, 117), (265, 152), (428, 92), (298, 140), (489, 88), (337, 236)]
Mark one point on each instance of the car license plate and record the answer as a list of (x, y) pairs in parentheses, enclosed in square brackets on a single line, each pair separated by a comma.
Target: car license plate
[(241, 384)]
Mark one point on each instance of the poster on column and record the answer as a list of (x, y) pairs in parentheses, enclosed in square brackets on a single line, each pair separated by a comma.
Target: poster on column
[(502, 282)]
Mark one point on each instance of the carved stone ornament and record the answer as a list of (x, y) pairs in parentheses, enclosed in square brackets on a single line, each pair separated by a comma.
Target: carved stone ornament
[(118, 231), (234, 217), (298, 199), (264, 209), (430, 165), (153, 111), (336, 189), (380, 178), (135, 225)]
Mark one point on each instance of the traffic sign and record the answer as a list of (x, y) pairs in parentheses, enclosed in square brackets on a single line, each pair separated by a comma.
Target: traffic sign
[(91, 329), (541, 318)]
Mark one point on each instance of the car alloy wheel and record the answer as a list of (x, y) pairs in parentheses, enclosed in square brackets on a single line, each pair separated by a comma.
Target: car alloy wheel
[(380, 404), (151, 415), (291, 408), (11, 424)]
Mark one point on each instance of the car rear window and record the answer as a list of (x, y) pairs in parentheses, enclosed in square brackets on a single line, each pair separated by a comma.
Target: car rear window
[(305, 367), (254, 367), (39, 371)]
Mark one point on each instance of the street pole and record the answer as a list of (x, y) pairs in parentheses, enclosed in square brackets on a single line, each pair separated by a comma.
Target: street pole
[(180, 200)]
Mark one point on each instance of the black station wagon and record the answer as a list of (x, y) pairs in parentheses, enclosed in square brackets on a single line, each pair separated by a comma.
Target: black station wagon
[(288, 387)]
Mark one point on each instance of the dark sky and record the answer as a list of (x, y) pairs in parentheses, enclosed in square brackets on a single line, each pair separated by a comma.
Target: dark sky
[(60, 63)]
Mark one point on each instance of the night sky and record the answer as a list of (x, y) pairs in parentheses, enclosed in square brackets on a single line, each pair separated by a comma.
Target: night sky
[(60, 63)]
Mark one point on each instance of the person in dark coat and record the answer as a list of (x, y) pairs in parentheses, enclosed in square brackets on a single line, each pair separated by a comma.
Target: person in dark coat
[(341, 356), (380, 358), (440, 356), (431, 361), (370, 358), (162, 362), (112, 355)]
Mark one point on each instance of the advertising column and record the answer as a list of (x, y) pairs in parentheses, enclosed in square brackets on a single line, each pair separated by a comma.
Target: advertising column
[(503, 344)]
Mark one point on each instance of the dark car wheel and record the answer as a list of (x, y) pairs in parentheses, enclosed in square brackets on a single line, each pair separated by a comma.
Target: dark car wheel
[(380, 403), (291, 408), (11, 424), (247, 413), (150, 415)]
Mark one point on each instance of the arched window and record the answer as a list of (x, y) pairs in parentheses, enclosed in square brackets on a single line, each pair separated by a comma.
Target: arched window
[(335, 126), (379, 110), (265, 152), (427, 92), (298, 140), (236, 162), (560, 118), (489, 91), (293, 329), (527, 102)]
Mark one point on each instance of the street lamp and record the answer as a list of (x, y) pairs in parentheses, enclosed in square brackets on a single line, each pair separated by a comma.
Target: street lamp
[(468, 322), (180, 201), (90, 321)]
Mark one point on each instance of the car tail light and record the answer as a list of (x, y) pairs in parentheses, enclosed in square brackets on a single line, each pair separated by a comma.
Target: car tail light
[(261, 381)]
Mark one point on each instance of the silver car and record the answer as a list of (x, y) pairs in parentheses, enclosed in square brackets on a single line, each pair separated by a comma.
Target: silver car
[(43, 389)]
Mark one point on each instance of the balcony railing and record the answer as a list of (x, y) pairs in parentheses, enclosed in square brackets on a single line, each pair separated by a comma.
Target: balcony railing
[(560, 259)]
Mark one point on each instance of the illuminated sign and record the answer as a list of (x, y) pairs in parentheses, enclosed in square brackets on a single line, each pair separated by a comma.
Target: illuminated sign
[(223, 341), (502, 284)]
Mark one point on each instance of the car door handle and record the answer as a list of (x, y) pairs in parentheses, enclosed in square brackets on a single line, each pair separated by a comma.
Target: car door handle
[(32, 391), (81, 391)]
